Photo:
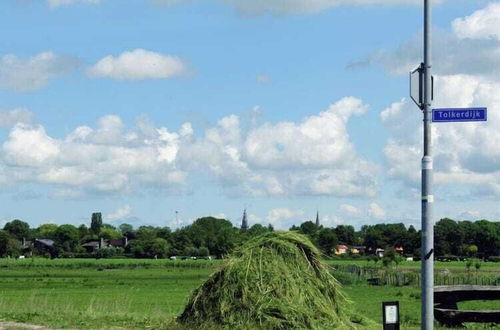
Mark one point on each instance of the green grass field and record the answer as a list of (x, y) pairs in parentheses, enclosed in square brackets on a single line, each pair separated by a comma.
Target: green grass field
[(143, 294)]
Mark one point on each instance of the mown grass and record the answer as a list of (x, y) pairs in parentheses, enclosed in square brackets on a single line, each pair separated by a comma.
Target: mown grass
[(91, 298)]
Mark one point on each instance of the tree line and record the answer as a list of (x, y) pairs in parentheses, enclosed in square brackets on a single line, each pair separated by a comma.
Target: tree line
[(209, 236)]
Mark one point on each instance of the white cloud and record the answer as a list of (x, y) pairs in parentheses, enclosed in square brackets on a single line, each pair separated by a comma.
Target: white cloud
[(108, 159), (464, 153), (482, 24), (9, 118), (28, 74), (120, 213), (138, 64), (60, 3), (451, 49), (307, 6), (469, 215), (331, 221), (284, 218), (349, 210), (375, 211), (311, 157)]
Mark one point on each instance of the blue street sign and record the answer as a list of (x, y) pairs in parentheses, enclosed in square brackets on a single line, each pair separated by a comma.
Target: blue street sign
[(459, 115)]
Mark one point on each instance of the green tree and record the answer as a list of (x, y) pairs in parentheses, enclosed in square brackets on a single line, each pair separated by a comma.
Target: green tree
[(487, 237), (126, 228), (67, 238), (166, 234), (47, 230), (155, 248), (257, 230), (327, 240), (471, 250), (202, 252), (84, 232), (19, 229), (96, 223), (448, 237), (345, 234), (9, 246), (308, 228), (146, 233), (110, 233), (218, 235)]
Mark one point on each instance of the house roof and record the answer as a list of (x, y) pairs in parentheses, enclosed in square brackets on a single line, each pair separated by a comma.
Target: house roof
[(91, 244), (343, 247), (117, 242), (45, 241)]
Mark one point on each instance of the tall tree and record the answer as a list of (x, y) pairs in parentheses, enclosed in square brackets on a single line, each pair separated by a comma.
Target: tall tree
[(96, 223), (345, 234), (17, 228), (327, 240)]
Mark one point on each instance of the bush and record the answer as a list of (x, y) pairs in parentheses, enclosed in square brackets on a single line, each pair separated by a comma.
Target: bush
[(494, 258)]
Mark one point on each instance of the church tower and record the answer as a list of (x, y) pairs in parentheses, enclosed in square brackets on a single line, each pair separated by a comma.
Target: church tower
[(317, 218), (244, 221)]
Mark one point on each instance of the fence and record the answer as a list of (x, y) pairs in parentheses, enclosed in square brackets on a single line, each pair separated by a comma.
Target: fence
[(353, 274)]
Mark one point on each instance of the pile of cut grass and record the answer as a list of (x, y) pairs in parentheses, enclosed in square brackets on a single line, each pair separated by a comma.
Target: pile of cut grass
[(275, 281)]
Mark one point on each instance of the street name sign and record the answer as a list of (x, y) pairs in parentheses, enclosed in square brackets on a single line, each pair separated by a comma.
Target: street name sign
[(459, 115)]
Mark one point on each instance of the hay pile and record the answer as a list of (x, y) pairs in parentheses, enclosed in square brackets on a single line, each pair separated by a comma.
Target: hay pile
[(275, 281)]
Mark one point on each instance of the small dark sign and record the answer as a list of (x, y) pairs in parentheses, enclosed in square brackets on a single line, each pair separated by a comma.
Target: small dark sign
[(390, 312)]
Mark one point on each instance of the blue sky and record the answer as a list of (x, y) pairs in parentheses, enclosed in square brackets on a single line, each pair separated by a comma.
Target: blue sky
[(140, 108)]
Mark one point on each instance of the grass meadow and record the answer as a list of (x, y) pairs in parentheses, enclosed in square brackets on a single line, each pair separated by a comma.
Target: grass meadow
[(147, 294)]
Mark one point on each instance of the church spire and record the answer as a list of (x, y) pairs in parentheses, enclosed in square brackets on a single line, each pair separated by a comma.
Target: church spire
[(244, 221), (317, 218)]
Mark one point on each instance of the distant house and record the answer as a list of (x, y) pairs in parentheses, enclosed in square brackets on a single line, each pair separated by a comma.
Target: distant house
[(94, 245), (358, 250), (399, 249), (118, 243), (341, 249), (44, 245), (379, 252)]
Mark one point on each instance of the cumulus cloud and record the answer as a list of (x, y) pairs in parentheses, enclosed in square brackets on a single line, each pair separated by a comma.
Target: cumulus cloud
[(120, 213), (28, 74), (60, 3), (464, 153), (284, 218), (310, 157), (482, 24), (9, 118), (105, 159), (451, 48), (138, 64), (313, 157), (349, 210), (376, 211)]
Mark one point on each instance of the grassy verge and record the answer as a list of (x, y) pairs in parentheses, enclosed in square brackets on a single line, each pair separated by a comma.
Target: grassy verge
[(85, 298)]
